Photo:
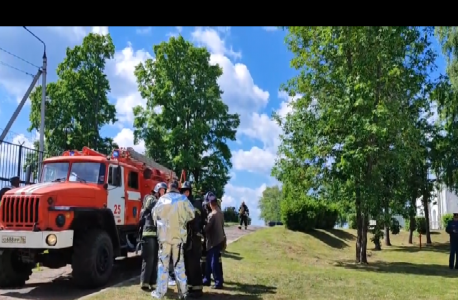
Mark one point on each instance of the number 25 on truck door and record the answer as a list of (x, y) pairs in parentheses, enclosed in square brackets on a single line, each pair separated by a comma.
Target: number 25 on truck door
[(117, 209)]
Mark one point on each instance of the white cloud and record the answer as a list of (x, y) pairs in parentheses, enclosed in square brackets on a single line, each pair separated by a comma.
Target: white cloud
[(179, 28), (103, 30), (263, 128), (211, 39), (255, 160), (123, 82), (144, 30), (125, 138), (270, 28)]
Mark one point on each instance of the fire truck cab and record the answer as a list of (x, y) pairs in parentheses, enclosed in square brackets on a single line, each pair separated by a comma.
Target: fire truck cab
[(84, 211)]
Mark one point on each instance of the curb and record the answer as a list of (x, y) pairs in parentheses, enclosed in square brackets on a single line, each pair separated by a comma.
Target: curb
[(136, 278)]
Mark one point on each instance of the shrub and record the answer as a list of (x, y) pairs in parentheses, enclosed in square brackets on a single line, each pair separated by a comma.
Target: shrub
[(230, 215), (305, 214), (420, 224), (395, 227), (352, 221), (445, 219)]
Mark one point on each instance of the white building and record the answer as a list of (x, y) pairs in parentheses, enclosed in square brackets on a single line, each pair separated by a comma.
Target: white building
[(443, 202)]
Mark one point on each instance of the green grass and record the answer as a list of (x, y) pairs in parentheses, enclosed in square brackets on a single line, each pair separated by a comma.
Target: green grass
[(276, 263)]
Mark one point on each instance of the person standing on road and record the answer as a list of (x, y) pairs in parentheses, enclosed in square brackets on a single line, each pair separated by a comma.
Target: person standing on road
[(452, 230), (171, 215), (216, 241), (150, 246), (243, 213), (193, 250)]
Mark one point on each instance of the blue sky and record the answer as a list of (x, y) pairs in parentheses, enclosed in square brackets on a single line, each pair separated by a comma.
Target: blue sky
[(255, 63)]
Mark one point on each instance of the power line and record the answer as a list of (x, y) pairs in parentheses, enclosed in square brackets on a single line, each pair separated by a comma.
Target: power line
[(18, 57), (14, 68)]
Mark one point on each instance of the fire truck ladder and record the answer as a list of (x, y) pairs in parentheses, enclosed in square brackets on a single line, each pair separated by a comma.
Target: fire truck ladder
[(150, 162)]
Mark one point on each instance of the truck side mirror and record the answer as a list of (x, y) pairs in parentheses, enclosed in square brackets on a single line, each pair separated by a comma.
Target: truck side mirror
[(28, 174), (118, 175)]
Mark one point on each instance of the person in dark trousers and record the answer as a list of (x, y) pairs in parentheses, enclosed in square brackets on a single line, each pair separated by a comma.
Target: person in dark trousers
[(243, 213), (193, 247), (452, 230), (216, 241), (150, 246), (15, 181)]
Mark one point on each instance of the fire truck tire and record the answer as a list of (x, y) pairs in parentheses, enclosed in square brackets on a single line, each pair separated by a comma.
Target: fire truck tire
[(13, 272), (93, 259)]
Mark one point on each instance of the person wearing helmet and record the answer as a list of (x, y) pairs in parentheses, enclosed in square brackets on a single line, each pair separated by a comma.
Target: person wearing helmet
[(193, 244), (243, 213), (171, 214), (150, 246)]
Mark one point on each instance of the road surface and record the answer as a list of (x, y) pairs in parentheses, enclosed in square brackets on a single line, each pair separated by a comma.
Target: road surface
[(56, 284)]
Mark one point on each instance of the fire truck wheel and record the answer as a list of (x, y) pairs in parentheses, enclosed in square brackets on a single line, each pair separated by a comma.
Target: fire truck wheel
[(13, 272), (93, 259)]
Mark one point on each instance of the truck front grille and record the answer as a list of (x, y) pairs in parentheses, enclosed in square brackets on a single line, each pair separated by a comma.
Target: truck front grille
[(21, 211)]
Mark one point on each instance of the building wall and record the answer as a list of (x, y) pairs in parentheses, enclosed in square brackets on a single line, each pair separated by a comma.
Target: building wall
[(444, 202)]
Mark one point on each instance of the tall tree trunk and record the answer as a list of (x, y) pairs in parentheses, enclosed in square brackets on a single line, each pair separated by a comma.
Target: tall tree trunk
[(387, 223), (412, 213), (359, 224), (425, 201), (363, 250)]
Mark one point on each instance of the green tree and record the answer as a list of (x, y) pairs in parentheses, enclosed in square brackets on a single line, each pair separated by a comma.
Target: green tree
[(357, 86), (270, 204), (185, 124), (77, 105)]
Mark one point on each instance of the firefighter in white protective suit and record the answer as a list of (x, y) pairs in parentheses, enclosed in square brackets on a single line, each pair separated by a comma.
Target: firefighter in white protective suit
[(171, 214)]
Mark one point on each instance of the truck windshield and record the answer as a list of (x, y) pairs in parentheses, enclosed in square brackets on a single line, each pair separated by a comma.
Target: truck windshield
[(89, 172), (55, 171)]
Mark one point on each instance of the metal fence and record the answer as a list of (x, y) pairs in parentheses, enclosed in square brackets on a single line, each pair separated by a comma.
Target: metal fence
[(14, 160)]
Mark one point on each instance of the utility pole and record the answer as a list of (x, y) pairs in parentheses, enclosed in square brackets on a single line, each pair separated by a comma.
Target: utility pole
[(20, 106), (43, 101)]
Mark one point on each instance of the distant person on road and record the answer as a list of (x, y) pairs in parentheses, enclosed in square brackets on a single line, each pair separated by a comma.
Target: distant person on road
[(452, 230), (243, 213), (171, 215), (150, 246), (216, 242)]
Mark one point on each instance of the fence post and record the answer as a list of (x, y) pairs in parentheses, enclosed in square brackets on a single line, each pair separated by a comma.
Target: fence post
[(19, 165)]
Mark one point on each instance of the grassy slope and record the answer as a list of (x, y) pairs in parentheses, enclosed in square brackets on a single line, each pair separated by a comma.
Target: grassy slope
[(279, 264)]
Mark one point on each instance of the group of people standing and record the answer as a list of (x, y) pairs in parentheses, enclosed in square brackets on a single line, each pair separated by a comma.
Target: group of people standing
[(182, 239)]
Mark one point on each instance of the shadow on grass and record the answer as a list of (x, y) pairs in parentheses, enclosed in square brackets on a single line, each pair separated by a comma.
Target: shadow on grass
[(436, 247), (400, 268), (328, 239), (63, 288), (232, 255), (343, 235), (251, 289)]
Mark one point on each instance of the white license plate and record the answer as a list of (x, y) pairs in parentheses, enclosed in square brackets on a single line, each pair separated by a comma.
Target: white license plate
[(13, 239)]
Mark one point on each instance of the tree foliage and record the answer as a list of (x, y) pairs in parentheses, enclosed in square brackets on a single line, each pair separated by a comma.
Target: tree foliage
[(361, 89), (77, 105), (185, 124), (270, 204)]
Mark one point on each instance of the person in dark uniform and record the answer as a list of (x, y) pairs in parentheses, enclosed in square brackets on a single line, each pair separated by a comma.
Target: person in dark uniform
[(150, 246), (452, 230), (15, 181), (193, 245), (243, 213)]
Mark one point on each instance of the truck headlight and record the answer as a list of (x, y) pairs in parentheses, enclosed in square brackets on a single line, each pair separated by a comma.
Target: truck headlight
[(51, 240), (60, 220)]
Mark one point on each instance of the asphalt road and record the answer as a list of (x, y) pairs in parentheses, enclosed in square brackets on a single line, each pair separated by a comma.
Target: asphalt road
[(56, 284)]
